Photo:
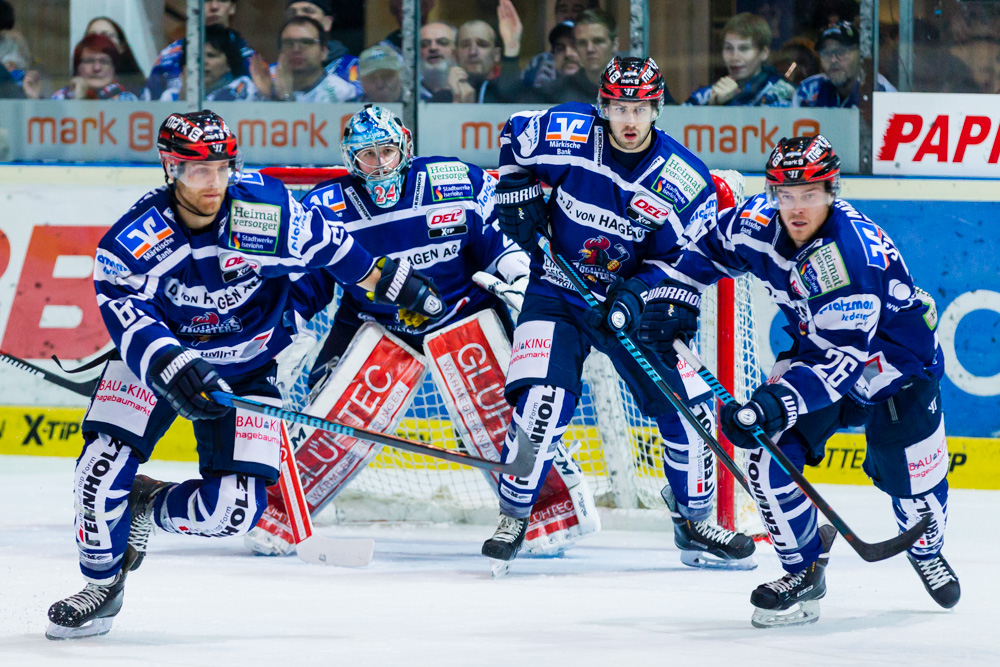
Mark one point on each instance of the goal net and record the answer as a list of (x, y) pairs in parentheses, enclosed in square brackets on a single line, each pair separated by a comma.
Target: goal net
[(619, 449)]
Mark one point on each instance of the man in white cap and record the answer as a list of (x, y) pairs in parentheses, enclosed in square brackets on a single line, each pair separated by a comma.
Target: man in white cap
[(380, 67)]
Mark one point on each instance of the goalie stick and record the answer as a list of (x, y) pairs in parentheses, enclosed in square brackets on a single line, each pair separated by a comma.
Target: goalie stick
[(315, 549), (648, 364), (871, 552), (521, 466)]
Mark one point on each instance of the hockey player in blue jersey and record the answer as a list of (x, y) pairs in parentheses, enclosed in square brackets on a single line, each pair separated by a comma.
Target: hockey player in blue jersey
[(864, 353), (438, 213), (194, 287), (624, 194)]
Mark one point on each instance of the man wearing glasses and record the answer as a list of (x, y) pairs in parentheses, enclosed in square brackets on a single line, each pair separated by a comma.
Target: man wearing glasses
[(839, 83), (300, 75)]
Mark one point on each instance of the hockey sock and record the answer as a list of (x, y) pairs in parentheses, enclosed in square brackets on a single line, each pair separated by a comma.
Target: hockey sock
[(688, 463), (542, 414), (213, 507), (104, 474), (910, 510), (789, 516)]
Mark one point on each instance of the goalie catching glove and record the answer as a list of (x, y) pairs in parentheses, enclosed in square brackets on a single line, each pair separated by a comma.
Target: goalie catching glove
[(415, 294), (521, 209), (671, 314), (773, 407), (184, 379)]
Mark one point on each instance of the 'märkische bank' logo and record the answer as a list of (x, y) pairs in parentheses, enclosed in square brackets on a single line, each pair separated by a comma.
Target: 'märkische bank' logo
[(254, 227)]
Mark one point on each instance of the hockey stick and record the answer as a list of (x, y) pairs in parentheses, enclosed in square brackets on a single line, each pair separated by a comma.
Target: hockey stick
[(499, 289), (521, 466), (84, 387), (649, 365), (312, 548), (868, 551)]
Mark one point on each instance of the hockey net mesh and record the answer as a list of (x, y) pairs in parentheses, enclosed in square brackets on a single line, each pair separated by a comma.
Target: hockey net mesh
[(618, 448)]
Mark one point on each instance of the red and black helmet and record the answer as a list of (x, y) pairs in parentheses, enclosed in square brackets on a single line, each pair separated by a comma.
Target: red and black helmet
[(199, 135), (631, 79), (802, 160)]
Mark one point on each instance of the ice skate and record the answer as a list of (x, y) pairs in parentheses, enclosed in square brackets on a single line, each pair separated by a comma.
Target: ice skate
[(505, 543), (90, 612), (707, 545), (939, 579), (140, 505), (794, 599)]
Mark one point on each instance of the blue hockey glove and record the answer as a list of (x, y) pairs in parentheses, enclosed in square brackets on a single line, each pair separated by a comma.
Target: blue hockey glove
[(184, 379), (521, 209), (415, 294), (671, 314), (773, 407), (622, 307)]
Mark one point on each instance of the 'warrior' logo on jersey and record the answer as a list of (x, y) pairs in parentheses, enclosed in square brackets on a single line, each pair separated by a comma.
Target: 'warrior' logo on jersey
[(568, 126), (205, 326), (597, 263), (145, 234)]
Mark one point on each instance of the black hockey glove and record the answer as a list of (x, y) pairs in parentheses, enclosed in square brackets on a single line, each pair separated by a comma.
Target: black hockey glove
[(671, 314), (521, 209), (773, 407), (184, 380), (415, 294), (622, 307)]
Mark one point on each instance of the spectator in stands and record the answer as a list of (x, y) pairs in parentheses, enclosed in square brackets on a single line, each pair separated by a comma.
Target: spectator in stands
[(564, 55), (166, 72), (300, 75), (542, 68), (129, 73), (16, 79), (437, 57), (751, 81), (95, 64), (338, 61), (488, 70), (226, 76), (797, 60), (839, 83), (381, 69)]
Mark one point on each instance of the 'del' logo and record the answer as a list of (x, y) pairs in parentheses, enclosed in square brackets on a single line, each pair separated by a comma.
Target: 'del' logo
[(567, 126), (654, 209), (144, 234), (445, 217)]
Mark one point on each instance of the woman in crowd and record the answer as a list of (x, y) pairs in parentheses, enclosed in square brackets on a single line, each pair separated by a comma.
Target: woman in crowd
[(129, 73), (226, 76), (95, 67)]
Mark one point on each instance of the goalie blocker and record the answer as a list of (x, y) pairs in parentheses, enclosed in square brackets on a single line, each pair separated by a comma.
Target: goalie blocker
[(373, 386)]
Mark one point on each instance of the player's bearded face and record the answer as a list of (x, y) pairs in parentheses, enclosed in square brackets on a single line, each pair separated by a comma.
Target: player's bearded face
[(631, 123), (803, 209), (202, 185)]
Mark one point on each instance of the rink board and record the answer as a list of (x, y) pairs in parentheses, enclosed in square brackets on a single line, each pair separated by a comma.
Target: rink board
[(27, 430)]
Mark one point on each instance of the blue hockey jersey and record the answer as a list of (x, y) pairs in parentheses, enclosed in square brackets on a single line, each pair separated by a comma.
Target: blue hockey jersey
[(221, 292), (444, 223), (857, 321), (595, 200)]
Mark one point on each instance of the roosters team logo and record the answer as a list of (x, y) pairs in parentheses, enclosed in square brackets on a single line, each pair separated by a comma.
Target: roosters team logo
[(205, 326), (597, 261)]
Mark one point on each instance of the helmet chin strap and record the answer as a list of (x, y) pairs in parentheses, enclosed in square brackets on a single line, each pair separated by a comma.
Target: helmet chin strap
[(186, 207)]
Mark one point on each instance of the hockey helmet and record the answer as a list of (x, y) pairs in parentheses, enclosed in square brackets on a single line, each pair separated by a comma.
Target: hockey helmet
[(199, 136), (368, 131), (631, 79), (800, 161)]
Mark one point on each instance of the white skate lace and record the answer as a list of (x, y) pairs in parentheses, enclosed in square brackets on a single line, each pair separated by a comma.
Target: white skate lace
[(786, 583), (139, 532), (508, 530), (935, 572), (89, 599), (712, 532)]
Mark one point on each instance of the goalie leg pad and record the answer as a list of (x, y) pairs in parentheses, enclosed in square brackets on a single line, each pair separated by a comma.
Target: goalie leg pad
[(272, 536), (540, 418)]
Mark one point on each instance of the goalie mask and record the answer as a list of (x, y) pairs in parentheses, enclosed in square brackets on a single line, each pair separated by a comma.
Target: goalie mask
[(192, 144), (377, 150)]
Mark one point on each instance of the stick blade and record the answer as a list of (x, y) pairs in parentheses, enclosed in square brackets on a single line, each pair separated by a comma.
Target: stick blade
[(341, 552), (889, 548)]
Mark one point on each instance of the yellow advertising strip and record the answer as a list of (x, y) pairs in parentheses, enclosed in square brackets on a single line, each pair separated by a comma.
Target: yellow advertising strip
[(38, 431)]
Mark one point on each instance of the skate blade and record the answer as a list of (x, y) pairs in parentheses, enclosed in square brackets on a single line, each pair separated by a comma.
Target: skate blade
[(95, 628), (805, 613), (499, 568), (707, 561)]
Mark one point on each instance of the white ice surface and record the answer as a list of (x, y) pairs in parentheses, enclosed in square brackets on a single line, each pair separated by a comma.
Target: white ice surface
[(620, 598)]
